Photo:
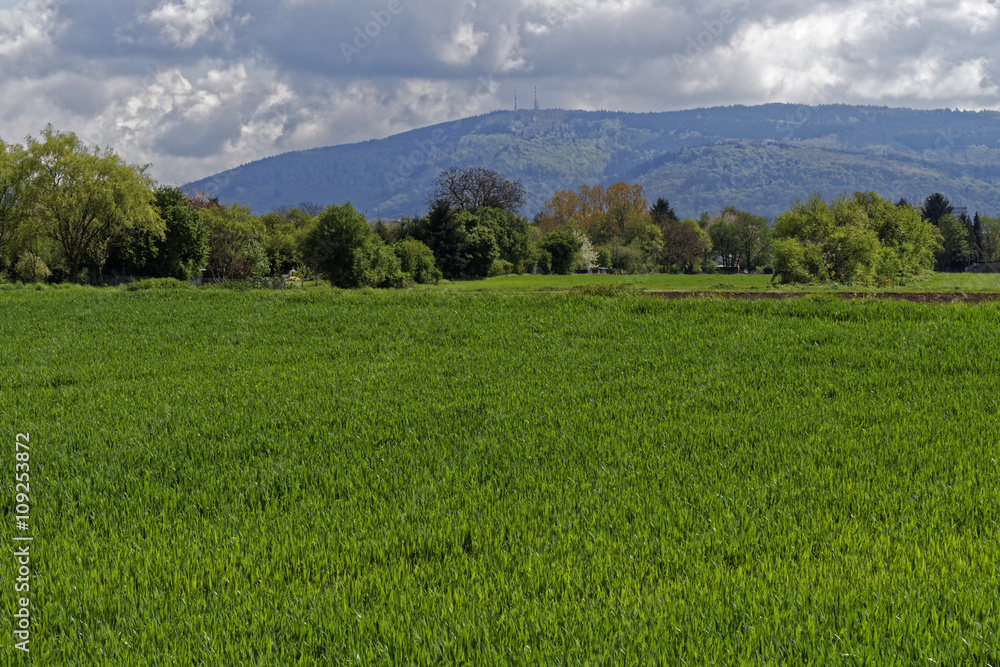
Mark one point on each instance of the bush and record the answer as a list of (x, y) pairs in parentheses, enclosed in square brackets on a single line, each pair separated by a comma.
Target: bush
[(543, 260), (417, 261), (863, 240), (480, 251), (501, 267), (31, 269), (627, 259), (345, 249)]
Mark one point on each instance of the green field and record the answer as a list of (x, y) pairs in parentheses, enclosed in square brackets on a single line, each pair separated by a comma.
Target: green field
[(322, 477), (937, 282)]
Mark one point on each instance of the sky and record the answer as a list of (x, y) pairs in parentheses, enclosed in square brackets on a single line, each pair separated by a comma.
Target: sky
[(193, 87)]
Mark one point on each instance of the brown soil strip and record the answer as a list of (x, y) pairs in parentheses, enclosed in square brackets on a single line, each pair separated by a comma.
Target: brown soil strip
[(915, 297)]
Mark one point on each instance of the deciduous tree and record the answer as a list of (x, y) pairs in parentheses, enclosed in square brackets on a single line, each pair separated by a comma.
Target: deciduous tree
[(235, 249), (685, 245), (478, 187), (344, 248), (562, 247), (87, 198), (863, 239), (16, 201)]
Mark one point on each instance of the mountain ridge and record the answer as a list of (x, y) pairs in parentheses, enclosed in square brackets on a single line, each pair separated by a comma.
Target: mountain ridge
[(758, 158)]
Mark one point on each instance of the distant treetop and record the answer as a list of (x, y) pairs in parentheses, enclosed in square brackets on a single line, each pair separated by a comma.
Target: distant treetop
[(478, 187)]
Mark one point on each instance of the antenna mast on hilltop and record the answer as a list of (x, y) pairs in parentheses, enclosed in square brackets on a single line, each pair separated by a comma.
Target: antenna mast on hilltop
[(536, 98), (515, 100)]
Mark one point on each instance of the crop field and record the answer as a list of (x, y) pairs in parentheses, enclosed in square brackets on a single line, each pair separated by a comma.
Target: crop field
[(322, 477), (935, 282)]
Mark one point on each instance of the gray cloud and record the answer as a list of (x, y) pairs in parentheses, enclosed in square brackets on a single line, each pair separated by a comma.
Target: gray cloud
[(197, 86)]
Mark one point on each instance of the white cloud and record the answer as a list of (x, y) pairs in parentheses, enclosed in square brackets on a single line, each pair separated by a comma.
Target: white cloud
[(190, 21), (463, 45), (978, 15), (27, 28), (196, 86), (933, 79)]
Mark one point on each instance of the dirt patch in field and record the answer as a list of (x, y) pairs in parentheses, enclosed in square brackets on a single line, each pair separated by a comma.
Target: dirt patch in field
[(915, 297)]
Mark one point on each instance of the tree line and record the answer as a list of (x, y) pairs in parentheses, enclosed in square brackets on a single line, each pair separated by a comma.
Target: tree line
[(71, 212)]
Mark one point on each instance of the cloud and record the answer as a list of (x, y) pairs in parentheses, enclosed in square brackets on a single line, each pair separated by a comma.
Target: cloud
[(186, 23), (198, 86), (463, 45), (26, 28)]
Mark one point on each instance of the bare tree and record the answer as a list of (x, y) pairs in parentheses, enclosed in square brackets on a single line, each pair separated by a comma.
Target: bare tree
[(478, 187)]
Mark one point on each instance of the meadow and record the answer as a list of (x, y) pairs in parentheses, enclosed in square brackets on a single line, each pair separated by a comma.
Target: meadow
[(421, 477), (934, 282)]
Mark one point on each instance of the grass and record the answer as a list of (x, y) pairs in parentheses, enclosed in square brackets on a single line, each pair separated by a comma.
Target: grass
[(937, 282), (652, 281), (323, 477)]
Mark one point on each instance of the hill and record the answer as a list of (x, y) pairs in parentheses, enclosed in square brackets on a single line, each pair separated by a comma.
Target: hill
[(756, 158)]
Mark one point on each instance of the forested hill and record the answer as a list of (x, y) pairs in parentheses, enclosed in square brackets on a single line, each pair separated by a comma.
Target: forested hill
[(755, 158)]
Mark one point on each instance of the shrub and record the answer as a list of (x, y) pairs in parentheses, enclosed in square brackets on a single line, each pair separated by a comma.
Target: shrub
[(344, 248), (31, 269), (501, 267), (417, 261)]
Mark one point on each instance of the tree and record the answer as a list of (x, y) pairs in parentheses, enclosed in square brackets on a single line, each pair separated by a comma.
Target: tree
[(16, 201), (625, 216), (935, 208), (618, 211), (467, 243), (562, 247), (88, 198), (179, 253), (586, 259), (863, 239), (741, 239), (956, 252), (908, 242), (445, 235), (990, 232), (510, 231), (724, 241), (661, 213), (685, 245), (284, 230), (31, 269), (752, 235), (235, 249), (344, 248), (183, 251), (976, 238), (478, 187), (417, 260), (480, 247)]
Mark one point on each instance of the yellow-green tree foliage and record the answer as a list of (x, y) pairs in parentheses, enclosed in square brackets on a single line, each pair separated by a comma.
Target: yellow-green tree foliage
[(862, 239), (87, 197)]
